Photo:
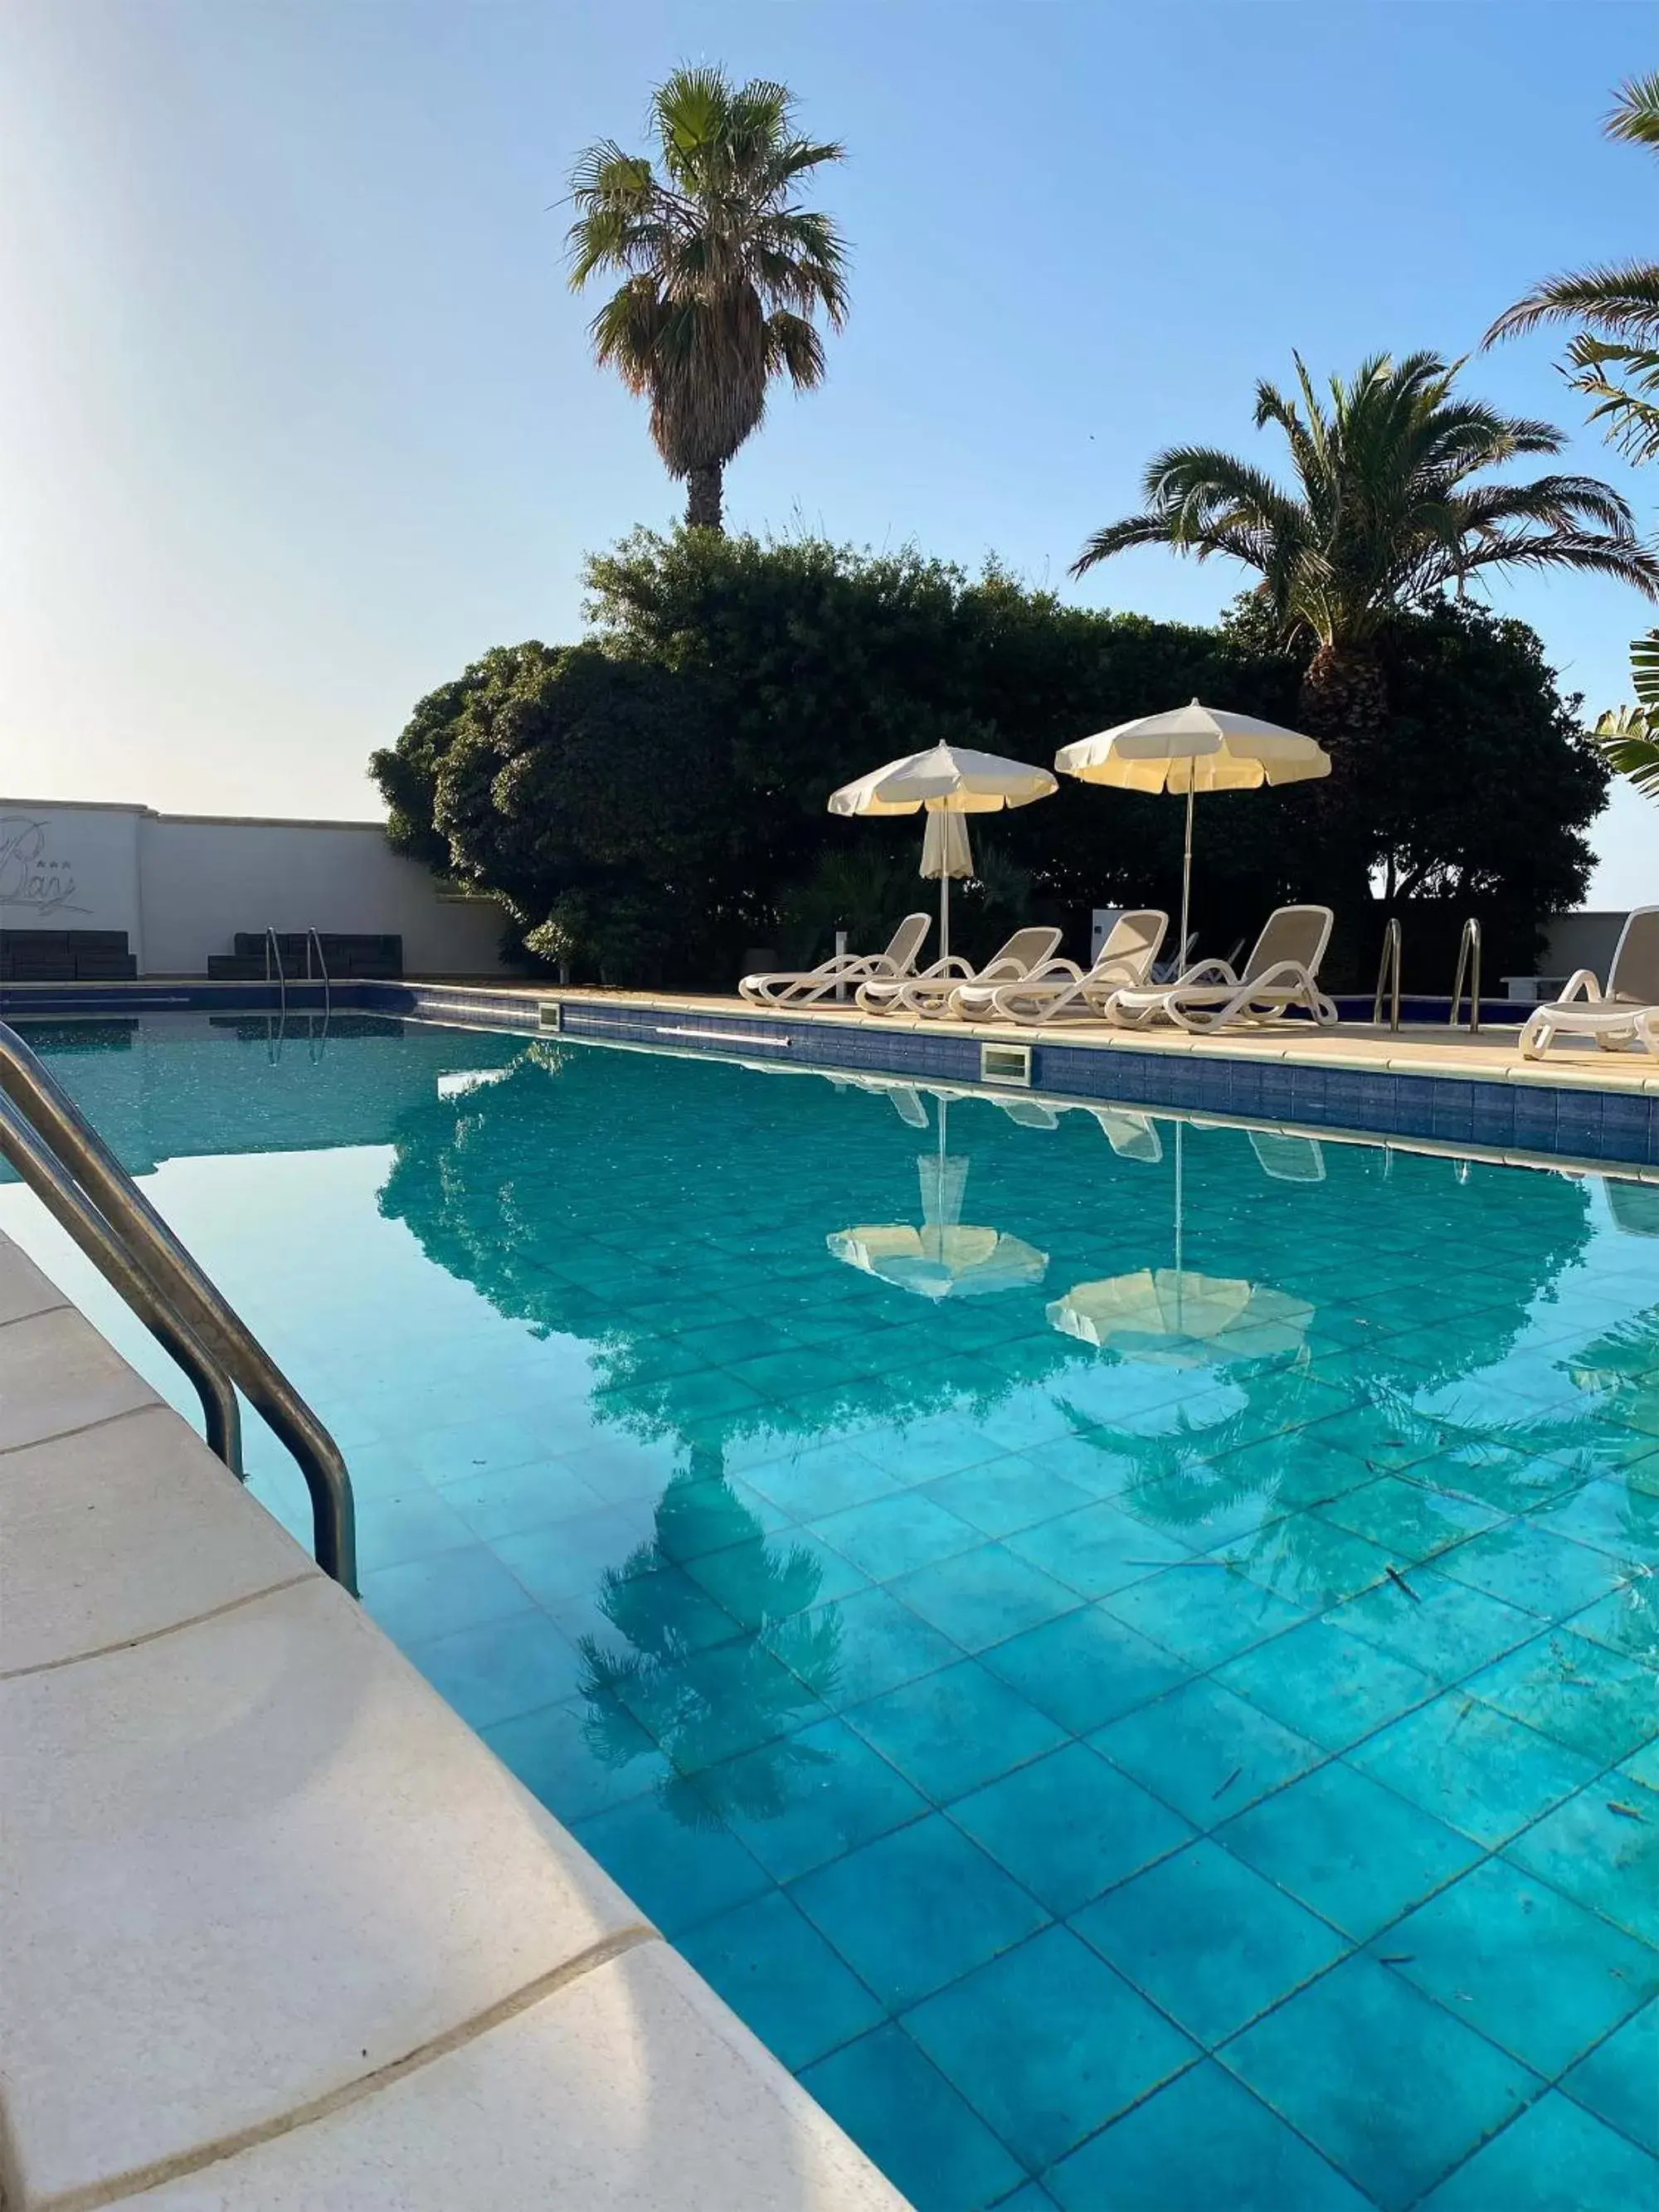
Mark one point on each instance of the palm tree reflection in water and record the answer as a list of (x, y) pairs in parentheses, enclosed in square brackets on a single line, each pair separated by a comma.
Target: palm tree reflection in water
[(694, 1697)]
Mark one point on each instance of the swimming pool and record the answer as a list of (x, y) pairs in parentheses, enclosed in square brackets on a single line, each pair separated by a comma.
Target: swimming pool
[(1127, 1652)]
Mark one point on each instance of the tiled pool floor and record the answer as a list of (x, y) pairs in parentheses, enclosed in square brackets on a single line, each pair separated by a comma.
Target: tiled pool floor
[(1212, 1767)]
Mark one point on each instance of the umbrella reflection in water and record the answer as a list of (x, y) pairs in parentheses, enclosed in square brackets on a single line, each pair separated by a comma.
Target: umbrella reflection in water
[(942, 1256), (1176, 1318)]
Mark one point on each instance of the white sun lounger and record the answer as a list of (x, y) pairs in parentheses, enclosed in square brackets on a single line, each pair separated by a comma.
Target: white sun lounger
[(1061, 987), (931, 991), (1627, 1012), (1282, 972), (800, 986)]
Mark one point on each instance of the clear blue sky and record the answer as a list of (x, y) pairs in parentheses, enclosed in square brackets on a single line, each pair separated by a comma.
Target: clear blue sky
[(297, 415)]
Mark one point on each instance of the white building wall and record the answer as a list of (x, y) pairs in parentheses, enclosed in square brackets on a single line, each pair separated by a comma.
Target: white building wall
[(69, 867), (182, 885), (1584, 939)]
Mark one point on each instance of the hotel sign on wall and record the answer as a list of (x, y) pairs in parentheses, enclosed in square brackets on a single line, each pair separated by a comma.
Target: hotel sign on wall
[(33, 875)]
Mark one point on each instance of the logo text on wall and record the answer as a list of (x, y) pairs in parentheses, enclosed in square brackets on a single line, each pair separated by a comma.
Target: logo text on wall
[(29, 876)]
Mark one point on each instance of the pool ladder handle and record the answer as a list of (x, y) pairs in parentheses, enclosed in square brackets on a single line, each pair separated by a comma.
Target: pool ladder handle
[(1468, 962), (64, 1161), (1468, 967), (315, 1045), (1388, 977), (274, 953)]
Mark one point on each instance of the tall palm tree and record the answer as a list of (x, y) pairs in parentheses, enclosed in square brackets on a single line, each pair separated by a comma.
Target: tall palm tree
[(1615, 358), (1383, 517), (723, 269)]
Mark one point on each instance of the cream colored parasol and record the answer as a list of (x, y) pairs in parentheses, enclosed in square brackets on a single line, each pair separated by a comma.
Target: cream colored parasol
[(947, 780), (1192, 749)]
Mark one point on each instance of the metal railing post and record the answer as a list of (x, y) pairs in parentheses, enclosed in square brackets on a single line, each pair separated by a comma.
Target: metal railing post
[(1388, 974), (274, 951), (1469, 961), (95, 1185), (52, 1184), (313, 1046)]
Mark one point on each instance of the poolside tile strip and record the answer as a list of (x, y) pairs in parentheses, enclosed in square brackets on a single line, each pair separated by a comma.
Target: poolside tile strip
[(1604, 1112)]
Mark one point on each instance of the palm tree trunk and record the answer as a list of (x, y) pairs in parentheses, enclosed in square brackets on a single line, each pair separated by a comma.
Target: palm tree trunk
[(1345, 698), (702, 497), (1345, 704)]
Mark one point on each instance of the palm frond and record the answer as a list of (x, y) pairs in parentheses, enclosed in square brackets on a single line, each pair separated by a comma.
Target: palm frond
[(1627, 738), (1621, 300), (1596, 553), (1636, 118), (1560, 501), (1630, 747), (795, 349), (1626, 404), (1119, 537)]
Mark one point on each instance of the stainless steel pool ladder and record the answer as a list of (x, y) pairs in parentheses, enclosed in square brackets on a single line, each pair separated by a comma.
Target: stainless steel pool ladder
[(64, 1161)]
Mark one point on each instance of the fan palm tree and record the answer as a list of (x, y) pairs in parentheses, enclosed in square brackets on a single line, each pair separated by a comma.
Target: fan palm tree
[(1384, 516), (724, 269)]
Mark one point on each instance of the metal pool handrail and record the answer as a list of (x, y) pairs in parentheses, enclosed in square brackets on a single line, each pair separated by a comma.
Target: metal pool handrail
[(62, 1156), (312, 938), (1468, 959), (274, 951), (1388, 976), (57, 1191)]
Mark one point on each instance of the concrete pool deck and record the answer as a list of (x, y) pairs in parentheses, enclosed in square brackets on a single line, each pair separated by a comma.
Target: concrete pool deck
[(278, 1929)]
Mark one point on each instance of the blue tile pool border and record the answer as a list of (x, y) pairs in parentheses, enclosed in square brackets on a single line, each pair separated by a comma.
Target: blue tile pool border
[(1550, 1122), (1561, 1122)]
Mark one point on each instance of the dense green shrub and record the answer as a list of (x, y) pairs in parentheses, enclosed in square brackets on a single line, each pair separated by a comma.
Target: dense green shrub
[(650, 803)]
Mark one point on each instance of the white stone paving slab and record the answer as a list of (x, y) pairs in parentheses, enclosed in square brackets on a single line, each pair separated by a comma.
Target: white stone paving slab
[(57, 1373), (632, 2089), (23, 1289), (249, 1862), (125, 1530)]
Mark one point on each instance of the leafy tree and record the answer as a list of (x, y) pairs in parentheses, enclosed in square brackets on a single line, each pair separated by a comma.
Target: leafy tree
[(651, 803), (723, 269), (588, 791), (1386, 516), (827, 662)]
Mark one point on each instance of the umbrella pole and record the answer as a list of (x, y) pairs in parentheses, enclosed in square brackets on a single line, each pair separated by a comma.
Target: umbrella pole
[(944, 914), (1180, 1279), (1186, 880)]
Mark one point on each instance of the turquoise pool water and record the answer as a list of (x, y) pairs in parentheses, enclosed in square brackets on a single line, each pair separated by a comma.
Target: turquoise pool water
[(1129, 1654)]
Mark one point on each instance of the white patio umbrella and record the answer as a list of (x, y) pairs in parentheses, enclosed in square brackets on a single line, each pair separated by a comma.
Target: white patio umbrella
[(947, 780), (1194, 747), (943, 1256)]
